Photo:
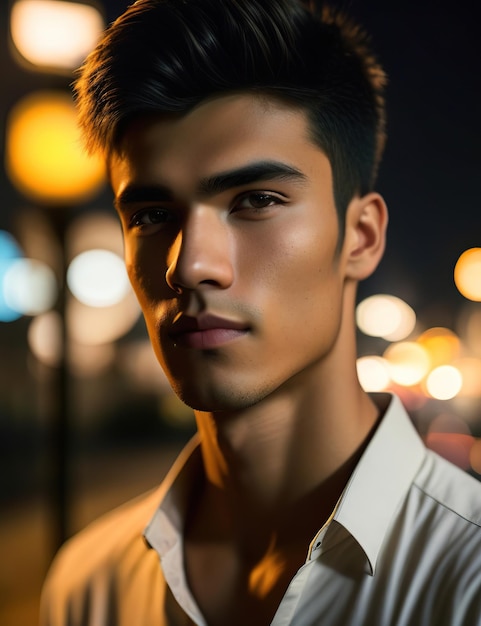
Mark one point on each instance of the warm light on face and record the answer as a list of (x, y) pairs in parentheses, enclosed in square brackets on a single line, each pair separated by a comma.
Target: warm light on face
[(54, 34), (467, 274), (44, 154), (385, 316), (245, 265), (408, 362)]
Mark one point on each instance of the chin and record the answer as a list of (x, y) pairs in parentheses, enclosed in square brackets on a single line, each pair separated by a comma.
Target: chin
[(216, 400)]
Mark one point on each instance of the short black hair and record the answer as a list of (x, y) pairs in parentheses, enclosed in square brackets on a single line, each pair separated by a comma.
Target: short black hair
[(167, 56)]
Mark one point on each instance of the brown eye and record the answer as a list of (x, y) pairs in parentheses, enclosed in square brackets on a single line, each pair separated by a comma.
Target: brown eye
[(150, 217), (256, 201), (260, 200)]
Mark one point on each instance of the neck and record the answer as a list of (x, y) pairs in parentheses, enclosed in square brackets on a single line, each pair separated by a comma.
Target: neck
[(272, 455), (298, 445)]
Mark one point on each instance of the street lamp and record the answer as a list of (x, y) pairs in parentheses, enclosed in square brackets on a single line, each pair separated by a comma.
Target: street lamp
[(54, 35), (46, 163)]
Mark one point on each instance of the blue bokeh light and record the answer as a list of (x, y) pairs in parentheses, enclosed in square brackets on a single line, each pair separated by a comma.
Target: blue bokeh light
[(10, 251)]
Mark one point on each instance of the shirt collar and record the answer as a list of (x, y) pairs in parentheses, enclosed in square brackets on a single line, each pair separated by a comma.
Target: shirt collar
[(166, 526), (380, 480), (365, 510)]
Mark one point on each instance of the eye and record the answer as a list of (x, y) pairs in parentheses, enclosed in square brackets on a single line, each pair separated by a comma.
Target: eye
[(151, 217), (256, 201)]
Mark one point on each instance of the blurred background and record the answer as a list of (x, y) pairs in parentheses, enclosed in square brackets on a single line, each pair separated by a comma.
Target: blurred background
[(86, 417)]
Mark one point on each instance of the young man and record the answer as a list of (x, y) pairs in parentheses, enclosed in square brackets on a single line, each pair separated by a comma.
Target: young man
[(242, 139)]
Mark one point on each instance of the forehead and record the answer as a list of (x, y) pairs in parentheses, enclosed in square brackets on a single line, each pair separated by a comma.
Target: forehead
[(220, 133)]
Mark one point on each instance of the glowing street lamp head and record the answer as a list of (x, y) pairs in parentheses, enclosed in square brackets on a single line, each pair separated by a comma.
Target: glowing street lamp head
[(54, 35), (44, 155)]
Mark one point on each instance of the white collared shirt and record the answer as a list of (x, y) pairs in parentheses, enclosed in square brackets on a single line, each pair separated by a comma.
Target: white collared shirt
[(402, 548)]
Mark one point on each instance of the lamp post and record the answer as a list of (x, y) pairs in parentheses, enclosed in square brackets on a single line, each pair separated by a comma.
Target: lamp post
[(45, 161)]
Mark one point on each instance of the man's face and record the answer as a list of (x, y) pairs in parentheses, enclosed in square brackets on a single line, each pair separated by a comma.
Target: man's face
[(230, 232)]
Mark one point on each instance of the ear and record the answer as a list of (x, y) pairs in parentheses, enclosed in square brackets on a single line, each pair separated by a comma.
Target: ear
[(365, 235)]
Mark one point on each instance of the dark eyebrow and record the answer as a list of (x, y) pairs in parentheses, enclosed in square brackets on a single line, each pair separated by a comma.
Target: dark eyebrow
[(251, 173), (143, 193)]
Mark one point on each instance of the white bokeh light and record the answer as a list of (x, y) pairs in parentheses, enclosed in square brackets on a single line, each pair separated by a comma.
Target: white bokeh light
[(54, 33), (408, 362), (444, 382), (29, 287), (373, 373), (385, 316), (98, 278)]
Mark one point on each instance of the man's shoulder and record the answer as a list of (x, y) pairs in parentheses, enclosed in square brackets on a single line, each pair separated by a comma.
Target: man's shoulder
[(450, 490), (443, 513), (112, 547)]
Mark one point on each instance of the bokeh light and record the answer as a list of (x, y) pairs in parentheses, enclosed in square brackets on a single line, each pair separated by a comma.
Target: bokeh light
[(442, 345), (470, 369), (449, 423), (44, 155), (373, 373), (10, 252), (467, 274), (45, 338), (137, 361), (451, 437), (475, 456), (9, 248), (53, 33), (29, 287), (472, 330), (36, 230), (89, 361), (444, 382), (385, 316), (98, 278), (408, 362), (98, 325), (85, 360), (455, 447), (94, 230)]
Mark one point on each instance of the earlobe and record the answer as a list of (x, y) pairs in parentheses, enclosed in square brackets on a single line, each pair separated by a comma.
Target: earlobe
[(365, 236)]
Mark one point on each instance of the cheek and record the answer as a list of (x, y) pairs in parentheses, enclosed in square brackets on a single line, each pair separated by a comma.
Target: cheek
[(295, 260), (146, 268), (298, 286)]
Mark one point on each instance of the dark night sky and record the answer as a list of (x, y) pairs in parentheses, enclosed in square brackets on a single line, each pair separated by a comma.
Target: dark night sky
[(430, 172), (431, 168)]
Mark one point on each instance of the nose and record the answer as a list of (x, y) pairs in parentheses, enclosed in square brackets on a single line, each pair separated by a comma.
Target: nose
[(201, 254)]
